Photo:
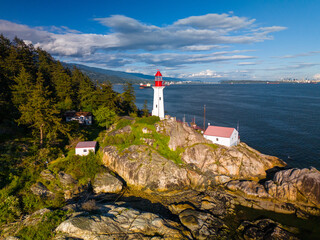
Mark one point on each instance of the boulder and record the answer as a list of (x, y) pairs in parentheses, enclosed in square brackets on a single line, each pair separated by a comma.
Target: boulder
[(106, 183), (180, 134), (126, 129), (41, 190), (296, 185), (47, 175), (240, 162), (122, 222), (203, 225), (290, 191), (66, 179), (264, 229), (142, 168)]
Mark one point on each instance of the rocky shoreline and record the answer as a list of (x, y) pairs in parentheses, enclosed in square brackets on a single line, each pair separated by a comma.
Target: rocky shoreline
[(144, 195)]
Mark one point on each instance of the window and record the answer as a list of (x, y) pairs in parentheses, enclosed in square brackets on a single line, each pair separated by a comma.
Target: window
[(156, 106), (217, 139), (159, 98), (84, 150)]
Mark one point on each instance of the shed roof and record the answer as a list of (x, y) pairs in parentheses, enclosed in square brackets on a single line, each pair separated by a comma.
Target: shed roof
[(219, 131), (77, 114), (87, 144)]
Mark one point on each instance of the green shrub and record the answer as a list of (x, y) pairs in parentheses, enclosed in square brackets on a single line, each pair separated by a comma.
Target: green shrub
[(45, 228), (148, 120), (81, 168), (9, 208), (122, 123)]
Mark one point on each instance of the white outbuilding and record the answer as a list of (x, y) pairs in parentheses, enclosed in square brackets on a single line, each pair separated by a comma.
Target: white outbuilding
[(222, 135), (83, 148)]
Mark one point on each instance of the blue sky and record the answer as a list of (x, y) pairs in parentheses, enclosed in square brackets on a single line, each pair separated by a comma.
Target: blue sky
[(204, 39)]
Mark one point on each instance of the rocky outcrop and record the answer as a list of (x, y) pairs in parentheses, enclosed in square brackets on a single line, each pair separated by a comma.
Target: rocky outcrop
[(240, 162), (203, 225), (143, 168), (121, 222), (41, 190), (47, 175), (106, 183), (290, 191), (296, 185), (66, 179), (126, 129), (264, 229), (180, 134)]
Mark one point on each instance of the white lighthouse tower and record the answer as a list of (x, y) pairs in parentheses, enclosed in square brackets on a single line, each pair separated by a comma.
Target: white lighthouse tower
[(158, 105)]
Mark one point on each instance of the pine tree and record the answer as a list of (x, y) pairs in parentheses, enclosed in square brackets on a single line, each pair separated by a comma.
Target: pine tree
[(145, 109), (62, 84), (128, 99), (40, 113), (22, 88), (104, 116)]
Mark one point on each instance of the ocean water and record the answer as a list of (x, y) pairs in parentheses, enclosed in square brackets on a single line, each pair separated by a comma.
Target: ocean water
[(282, 120)]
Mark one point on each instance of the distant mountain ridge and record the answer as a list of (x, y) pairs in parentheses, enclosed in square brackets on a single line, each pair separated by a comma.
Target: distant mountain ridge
[(102, 75)]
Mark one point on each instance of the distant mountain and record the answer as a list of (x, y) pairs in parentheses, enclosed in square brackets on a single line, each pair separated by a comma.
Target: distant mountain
[(102, 75)]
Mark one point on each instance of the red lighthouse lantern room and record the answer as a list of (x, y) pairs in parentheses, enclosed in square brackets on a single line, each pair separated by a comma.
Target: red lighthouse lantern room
[(158, 79)]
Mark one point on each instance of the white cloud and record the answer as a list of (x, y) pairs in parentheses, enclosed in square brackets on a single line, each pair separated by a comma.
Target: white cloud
[(129, 41), (317, 76), (246, 63), (194, 33), (203, 74), (215, 21), (305, 54)]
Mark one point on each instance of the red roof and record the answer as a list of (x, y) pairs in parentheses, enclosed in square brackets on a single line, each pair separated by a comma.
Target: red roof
[(219, 131), (158, 74), (87, 144), (77, 114)]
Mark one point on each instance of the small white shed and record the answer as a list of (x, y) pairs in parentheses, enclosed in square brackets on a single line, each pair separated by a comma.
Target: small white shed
[(83, 148), (222, 135)]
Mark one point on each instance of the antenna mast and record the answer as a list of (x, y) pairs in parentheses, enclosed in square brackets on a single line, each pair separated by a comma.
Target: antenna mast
[(204, 117)]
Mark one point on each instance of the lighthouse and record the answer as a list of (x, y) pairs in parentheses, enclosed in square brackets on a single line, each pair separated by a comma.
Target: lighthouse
[(158, 105)]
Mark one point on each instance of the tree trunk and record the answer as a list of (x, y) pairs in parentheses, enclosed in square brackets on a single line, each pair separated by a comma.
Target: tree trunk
[(41, 134)]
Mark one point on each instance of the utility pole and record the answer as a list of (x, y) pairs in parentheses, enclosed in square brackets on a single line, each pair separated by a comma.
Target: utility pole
[(204, 117)]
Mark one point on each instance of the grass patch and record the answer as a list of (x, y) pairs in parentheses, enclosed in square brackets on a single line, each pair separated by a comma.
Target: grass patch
[(125, 140), (82, 168), (122, 123)]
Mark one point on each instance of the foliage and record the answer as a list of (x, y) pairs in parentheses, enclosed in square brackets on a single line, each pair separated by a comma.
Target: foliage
[(122, 123), (148, 120), (45, 228), (35, 92), (39, 112), (104, 116), (81, 168), (128, 99), (9, 208), (145, 109), (136, 136)]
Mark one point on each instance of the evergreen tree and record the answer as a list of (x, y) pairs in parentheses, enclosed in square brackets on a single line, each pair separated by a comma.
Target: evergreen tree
[(128, 99), (104, 116), (86, 93), (40, 113), (22, 88), (62, 84), (145, 109)]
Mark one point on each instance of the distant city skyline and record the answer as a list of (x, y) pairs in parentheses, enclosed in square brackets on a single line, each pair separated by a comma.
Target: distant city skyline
[(206, 39)]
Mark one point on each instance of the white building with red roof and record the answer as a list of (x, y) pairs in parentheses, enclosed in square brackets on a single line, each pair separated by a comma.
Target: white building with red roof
[(222, 135), (83, 148)]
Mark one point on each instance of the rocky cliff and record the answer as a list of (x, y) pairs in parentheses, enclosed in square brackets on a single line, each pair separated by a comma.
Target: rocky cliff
[(165, 181)]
